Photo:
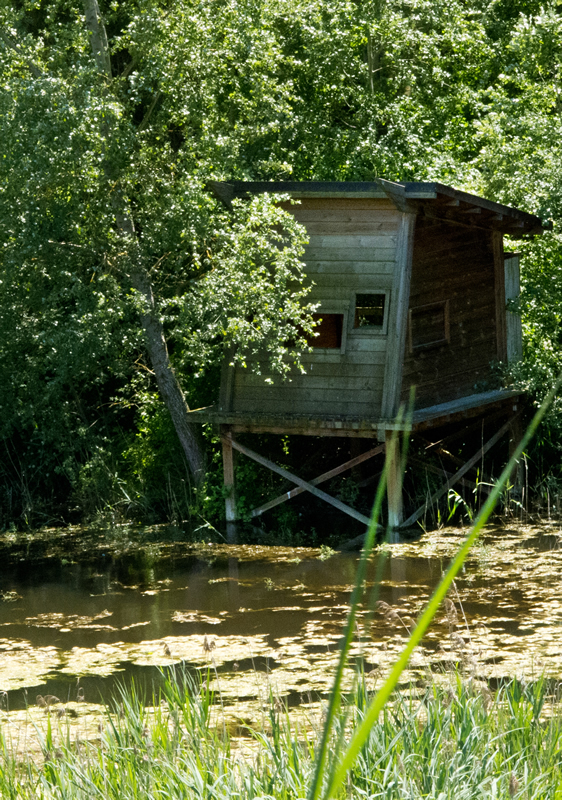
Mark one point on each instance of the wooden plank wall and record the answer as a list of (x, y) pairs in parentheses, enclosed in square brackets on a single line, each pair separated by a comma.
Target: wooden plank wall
[(454, 263), (513, 319), (352, 249)]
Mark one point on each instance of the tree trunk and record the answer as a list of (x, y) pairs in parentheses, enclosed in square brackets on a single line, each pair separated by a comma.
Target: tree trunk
[(189, 433)]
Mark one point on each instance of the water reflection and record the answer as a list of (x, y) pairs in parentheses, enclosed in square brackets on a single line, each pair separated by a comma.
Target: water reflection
[(261, 618)]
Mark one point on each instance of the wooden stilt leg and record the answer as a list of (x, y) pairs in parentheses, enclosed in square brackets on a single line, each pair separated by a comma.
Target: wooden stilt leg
[(516, 434), (394, 481), (229, 486)]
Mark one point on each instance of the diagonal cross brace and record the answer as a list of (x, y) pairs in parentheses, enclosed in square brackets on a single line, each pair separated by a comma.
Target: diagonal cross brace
[(282, 498), (304, 485), (459, 474)]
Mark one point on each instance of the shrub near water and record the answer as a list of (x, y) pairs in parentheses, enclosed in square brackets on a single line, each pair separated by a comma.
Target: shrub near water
[(453, 741)]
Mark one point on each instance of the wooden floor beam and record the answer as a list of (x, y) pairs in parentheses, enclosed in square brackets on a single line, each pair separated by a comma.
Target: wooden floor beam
[(265, 462), (282, 498)]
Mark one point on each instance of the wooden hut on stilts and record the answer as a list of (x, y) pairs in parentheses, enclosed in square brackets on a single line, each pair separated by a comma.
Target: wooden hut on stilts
[(414, 287)]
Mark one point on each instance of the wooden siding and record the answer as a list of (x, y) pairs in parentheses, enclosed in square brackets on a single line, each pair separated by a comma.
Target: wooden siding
[(398, 317), (457, 264), (352, 249), (513, 319)]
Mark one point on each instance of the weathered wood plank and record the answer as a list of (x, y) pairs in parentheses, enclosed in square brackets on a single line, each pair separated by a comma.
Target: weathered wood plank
[(308, 407), (478, 400), (438, 360), (513, 320), (355, 204), (354, 363), (443, 248), (342, 228), (458, 266), (312, 381), (296, 429), (341, 371), (450, 285), (321, 370), (449, 369), (394, 480), (297, 397), (336, 287), (338, 216), (373, 354), (369, 269), (313, 388), (265, 462), (362, 342), (384, 251), (442, 392), (348, 242), (227, 383), (499, 294)]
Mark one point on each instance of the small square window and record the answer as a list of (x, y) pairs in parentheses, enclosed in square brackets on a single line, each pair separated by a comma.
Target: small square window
[(329, 329), (369, 310)]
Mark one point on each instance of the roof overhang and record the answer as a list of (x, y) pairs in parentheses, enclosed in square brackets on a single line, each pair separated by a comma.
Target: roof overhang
[(432, 200)]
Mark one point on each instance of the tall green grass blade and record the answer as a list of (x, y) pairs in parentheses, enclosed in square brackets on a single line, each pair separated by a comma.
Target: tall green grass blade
[(335, 696), (383, 695)]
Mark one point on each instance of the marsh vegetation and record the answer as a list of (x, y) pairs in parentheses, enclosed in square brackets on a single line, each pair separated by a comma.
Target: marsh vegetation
[(249, 637), (448, 738)]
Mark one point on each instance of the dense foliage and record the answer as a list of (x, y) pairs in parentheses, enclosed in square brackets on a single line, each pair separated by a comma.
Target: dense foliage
[(463, 92)]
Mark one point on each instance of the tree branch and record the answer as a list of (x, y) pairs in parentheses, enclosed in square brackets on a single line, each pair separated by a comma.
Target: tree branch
[(35, 71), (148, 114), (189, 433), (98, 37)]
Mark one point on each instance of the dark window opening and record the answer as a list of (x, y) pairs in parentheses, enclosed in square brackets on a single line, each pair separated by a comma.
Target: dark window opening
[(329, 329), (369, 310), (429, 326)]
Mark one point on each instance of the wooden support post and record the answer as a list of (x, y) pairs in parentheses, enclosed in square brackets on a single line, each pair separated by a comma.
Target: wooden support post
[(229, 485), (516, 478), (394, 480)]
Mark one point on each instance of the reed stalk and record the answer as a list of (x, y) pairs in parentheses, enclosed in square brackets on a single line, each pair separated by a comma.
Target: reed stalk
[(327, 788)]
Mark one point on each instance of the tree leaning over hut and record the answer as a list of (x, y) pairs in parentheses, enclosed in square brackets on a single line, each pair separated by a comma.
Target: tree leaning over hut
[(138, 273), (103, 184)]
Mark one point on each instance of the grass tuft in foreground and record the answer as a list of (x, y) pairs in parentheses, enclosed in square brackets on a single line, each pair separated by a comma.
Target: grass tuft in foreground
[(456, 740)]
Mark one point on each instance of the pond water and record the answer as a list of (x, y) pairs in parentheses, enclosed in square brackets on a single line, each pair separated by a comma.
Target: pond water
[(81, 614)]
